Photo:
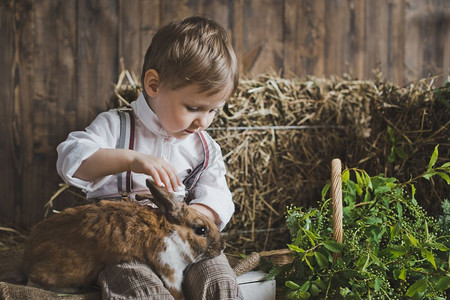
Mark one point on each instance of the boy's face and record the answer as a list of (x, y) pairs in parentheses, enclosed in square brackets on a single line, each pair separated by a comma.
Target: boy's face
[(185, 111)]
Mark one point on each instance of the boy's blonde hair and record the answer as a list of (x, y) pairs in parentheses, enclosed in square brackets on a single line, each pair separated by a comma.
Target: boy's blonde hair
[(194, 50)]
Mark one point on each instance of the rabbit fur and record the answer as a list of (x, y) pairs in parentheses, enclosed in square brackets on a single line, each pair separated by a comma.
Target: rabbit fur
[(69, 249)]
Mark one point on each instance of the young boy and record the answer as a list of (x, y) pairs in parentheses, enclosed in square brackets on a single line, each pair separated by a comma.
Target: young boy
[(189, 73)]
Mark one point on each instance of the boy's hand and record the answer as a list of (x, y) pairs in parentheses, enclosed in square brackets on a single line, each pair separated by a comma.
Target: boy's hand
[(112, 161), (161, 171)]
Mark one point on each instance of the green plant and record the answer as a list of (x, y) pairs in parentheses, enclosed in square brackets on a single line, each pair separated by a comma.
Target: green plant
[(391, 248)]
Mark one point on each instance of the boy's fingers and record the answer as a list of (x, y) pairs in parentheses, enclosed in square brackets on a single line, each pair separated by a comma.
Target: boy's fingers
[(156, 178), (167, 182), (174, 180)]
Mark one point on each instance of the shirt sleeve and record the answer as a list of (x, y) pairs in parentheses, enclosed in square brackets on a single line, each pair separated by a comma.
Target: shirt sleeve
[(212, 190), (103, 132)]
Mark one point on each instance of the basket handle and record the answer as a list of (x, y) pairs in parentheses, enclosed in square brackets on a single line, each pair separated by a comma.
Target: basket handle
[(336, 197)]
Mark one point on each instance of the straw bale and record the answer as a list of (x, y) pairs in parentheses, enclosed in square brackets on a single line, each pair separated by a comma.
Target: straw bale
[(279, 135)]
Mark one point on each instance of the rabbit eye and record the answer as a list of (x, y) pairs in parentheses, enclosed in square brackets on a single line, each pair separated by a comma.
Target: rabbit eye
[(200, 230)]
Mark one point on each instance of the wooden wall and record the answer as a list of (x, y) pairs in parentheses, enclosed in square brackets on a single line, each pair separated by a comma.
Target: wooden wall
[(58, 59)]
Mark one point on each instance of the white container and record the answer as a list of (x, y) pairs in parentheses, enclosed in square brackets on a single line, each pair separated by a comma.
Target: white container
[(254, 286)]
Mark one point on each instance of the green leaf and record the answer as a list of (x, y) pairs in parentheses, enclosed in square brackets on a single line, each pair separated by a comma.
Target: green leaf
[(320, 283), (395, 230), (443, 283), (433, 158), (402, 274), (311, 236), (374, 220), (359, 180), (446, 165), (325, 190), (444, 176), (377, 261), (292, 295), (295, 248), (413, 240), (391, 156), (304, 295), (381, 190), (367, 180), (345, 175), (377, 284), (429, 255), (333, 246), (367, 195), (308, 263), (397, 251), (413, 194), (391, 135), (292, 285), (305, 286), (345, 291), (314, 290), (321, 259), (429, 174), (417, 287), (359, 189), (438, 246), (360, 263), (399, 210), (366, 264)]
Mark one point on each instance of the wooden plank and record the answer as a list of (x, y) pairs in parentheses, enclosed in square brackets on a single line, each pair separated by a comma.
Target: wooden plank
[(436, 27), (357, 35), (21, 147), (263, 35), (336, 38), (415, 39), (53, 90), (173, 10), (291, 38), (216, 10), (377, 37), (446, 51), (385, 32), (97, 57), (396, 41), (138, 22), (304, 39), (8, 62), (236, 26)]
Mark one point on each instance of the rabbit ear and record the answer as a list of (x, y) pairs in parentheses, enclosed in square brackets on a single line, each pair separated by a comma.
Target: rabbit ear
[(164, 200)]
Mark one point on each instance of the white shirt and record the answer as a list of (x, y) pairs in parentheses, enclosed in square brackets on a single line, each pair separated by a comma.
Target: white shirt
[(152, 139)]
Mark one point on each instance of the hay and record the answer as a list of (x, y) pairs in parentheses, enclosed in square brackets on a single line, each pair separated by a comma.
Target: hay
[(279, 135), (11, 239)]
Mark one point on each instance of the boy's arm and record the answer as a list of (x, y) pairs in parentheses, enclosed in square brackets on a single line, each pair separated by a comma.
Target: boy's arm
[(211, 193), (88, 158)]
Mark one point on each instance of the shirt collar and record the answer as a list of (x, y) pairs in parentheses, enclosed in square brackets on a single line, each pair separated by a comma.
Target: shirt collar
[(148, 117)]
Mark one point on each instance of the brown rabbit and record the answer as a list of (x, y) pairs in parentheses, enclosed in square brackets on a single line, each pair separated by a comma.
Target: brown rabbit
[(68, 249)]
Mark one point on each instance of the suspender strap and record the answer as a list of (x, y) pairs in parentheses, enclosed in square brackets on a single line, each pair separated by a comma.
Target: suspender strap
[(126, 141), (209, 154)]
